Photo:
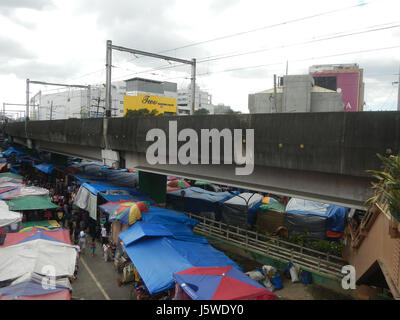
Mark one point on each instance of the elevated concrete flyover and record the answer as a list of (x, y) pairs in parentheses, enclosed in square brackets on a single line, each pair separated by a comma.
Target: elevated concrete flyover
[(320, 156)]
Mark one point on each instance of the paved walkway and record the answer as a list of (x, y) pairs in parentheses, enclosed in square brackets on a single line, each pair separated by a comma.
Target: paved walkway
[(97, 279)]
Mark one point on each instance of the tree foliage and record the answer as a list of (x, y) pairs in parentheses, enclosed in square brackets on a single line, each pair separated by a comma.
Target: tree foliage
[(141, 112), (230, 111), (387, 185), (201, 111)]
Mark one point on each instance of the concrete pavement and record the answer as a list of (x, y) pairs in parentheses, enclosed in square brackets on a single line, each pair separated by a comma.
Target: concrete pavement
[(97, 279)]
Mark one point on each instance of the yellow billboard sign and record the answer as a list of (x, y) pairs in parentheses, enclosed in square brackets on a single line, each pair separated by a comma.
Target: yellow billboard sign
[(145, 101)]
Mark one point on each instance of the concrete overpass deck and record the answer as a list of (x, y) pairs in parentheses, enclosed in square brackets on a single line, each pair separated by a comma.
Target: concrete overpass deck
[(319, 156)]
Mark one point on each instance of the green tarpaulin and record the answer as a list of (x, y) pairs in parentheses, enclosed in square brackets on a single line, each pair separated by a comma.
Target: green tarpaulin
[(11, 175), (201, 183), (274, 206), (31, 203), (50, 224)]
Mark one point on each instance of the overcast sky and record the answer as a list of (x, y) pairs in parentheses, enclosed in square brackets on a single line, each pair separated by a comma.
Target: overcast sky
[(65, 41)]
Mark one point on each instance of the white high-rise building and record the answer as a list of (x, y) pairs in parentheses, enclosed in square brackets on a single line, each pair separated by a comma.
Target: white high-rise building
[(73, 103), (203, 100)]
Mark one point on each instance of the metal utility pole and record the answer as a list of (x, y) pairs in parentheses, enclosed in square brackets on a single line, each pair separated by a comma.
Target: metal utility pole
[(111, 47), (108, 78), (193, 86), (398, 93), (51, 110), (27, 101), (275, 94), (11, 104)]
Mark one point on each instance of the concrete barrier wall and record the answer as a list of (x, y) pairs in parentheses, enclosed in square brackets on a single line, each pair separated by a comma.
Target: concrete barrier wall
[(343, 143)]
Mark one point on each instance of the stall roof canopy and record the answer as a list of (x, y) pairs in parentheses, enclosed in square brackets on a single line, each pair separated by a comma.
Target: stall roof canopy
[(125, 194), (165, 216), (101, 187), (32, 290), (253, 200), (157, 259), (45, 167), (31, 203), (197, 200), (50, 235), (11, 175), (94, 171), (15, 262), (141, 230), (11, 150), (198, 193), (334, 215), (9, 217)]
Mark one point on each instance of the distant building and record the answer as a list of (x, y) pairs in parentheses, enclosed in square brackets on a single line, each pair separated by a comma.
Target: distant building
[(73, 103), (203, 100), (344, 78), (221, 109), (150, 94), (136, 93), (297, 93)]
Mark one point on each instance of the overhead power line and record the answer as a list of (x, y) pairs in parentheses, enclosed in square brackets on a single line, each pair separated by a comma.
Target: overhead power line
[(298, 60), (249, 31), (322, 38)]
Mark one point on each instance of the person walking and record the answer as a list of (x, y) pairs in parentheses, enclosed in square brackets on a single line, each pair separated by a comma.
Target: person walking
[(82, 241), (103, 235), (93, 246), (82, 224)]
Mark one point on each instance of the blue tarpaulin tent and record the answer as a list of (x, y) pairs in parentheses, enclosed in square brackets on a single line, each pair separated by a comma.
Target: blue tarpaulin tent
[(11, 150), (315, 218), (45, 167), (165, 216), (158, 256), (197, 200), (95, 171), (133, 195)]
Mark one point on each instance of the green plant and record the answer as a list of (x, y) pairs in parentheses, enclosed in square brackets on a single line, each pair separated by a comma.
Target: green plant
[(201, 111), (387, 187)]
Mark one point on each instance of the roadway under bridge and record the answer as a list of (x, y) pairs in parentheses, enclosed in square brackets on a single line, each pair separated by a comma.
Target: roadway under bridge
[(318, 156)]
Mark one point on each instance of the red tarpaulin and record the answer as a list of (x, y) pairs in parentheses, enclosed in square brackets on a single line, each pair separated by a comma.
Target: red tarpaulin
[(56, 235)]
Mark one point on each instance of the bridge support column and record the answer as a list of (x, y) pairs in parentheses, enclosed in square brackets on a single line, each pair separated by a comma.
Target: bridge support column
[(110, 158), (155, 185)]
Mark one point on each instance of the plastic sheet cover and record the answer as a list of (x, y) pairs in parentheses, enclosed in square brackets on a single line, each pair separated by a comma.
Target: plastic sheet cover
[(8, 217), (234, 211), (32, 290), (31, 203), (23, 191), (32, 256), (87, 201), (45, 167), (197, 200), (314, 218)]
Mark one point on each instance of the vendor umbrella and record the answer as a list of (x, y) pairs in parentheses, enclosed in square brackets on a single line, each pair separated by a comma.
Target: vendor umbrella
[(220, 283), (127, 212), (179, 184)]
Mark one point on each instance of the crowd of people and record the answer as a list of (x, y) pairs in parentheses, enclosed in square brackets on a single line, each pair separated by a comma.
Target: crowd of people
[(68, 216)]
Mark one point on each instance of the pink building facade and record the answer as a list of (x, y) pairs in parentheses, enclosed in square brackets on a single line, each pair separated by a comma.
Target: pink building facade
[(347, 79)]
